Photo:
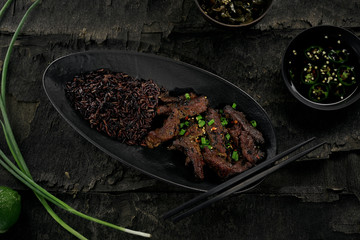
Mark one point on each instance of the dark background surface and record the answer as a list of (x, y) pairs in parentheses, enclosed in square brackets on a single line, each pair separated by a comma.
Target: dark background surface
[(316, 198)]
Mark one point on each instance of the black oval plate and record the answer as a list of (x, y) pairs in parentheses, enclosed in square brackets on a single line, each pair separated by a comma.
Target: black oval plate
[(159, 163)]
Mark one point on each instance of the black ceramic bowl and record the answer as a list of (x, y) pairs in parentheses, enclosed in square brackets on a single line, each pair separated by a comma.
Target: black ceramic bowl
[(218, 22), (312, 67)]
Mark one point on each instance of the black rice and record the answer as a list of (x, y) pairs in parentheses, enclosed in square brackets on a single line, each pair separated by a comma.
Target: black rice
[(115, 103)]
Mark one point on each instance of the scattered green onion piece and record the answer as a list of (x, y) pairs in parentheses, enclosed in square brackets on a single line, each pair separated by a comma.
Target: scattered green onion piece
[(182, 132), (203, 141), (224, 122), (187, 123), (235, 156), (233, 105), (227, 136), (211, 122), (253, 123), (187, 96), (199, 117), (201, 123), (182, 125)]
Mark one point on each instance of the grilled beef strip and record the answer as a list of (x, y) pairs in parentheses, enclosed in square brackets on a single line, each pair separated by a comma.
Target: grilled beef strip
[(165, 109), (189, 108), (170, 129), (191, 148), (216, 132), (245, 135), (166, 98), (245, 125), (248, 148), (221, 167)]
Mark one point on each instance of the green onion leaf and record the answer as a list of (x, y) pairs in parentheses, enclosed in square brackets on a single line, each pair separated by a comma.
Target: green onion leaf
[(187, 123), (199, 117), (182, 132), (233, 105), (224, 121), (227, 136), (211, 122), (235, 156), (187, 96), (202, 123), (253, 123)]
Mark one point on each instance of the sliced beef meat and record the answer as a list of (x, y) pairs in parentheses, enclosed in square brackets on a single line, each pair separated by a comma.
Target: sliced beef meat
[(250, 151), (221, 167), (164, 109), (219, 154), (216, 131), (245, 136), (244, 123), (191, 148), (191, 107), (194, 107), (245, 141), (166, 98), (169, 130), (235, 133)]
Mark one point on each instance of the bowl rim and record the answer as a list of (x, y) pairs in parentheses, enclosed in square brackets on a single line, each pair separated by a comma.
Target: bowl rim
[(353, 97), (234, 25)]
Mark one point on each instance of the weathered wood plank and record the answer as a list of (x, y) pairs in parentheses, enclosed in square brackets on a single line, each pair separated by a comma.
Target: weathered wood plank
[(307, 200)]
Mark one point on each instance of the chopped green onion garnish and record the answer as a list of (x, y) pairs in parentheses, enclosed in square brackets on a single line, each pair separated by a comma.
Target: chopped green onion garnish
[(224, 122), (253, 123), (187, 96), (187, 123), (182, 132), (202, 123), (233, 105), (235, 155), (202, 146), (203, 141), (199, 117), (227, 136), (182, 125), (211, 122)]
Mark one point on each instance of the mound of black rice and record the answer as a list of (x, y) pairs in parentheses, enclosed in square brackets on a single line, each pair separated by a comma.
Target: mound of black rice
[(115, 103)]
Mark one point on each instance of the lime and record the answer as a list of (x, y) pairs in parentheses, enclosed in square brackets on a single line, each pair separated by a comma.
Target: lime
[(10, 207)]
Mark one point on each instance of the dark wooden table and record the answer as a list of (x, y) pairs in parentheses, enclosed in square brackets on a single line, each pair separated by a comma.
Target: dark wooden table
[(316, 198)]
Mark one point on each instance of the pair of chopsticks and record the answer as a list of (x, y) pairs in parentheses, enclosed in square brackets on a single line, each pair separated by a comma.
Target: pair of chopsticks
[(236, 184)]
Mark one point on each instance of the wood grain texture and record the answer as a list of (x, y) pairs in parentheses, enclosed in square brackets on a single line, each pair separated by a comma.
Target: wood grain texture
[(317, 198)]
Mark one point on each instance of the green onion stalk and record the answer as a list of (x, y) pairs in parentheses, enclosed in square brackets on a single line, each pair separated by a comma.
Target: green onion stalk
[(21, 171)]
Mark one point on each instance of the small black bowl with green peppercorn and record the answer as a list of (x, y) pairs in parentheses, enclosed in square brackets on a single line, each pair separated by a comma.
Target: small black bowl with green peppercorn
[(233, 13), (321, 67)]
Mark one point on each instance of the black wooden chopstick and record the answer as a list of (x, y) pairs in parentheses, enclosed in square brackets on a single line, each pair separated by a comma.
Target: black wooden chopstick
[(234, 180)]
